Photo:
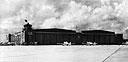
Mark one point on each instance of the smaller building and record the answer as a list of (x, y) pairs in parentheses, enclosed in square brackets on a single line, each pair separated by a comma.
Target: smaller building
[(17, 38)]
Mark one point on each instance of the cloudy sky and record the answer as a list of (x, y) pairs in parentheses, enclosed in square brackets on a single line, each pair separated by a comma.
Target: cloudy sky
[(78, 15)]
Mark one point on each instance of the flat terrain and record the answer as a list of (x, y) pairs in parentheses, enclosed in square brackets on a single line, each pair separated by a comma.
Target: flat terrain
[(59, 53), (120, 56)]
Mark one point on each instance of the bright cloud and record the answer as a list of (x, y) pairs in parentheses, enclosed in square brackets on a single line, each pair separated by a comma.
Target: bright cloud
[(78, 15)]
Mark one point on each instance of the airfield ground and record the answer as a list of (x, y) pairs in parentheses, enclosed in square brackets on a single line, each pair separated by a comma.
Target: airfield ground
[(58, 53)]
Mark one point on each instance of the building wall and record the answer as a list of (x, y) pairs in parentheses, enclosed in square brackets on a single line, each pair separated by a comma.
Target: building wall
[(119, 38), (100, 38), (55, 38)]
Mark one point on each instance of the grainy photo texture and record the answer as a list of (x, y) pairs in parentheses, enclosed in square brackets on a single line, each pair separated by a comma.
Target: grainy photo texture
[(63, 30)]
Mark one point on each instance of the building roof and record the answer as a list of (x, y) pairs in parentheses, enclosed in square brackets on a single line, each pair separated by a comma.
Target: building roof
[(97, 32), (54, 30)]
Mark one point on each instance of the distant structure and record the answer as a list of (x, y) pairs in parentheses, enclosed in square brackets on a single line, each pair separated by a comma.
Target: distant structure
[(55, 36)]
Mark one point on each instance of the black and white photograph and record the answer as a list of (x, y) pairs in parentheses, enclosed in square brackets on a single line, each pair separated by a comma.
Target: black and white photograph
[(63, 30)]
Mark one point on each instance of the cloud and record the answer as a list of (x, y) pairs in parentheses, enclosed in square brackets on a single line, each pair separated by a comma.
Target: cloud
[(78, 15)]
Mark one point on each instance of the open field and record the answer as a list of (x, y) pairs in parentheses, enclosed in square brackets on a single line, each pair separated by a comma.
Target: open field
[(119, 56), (57, 53)]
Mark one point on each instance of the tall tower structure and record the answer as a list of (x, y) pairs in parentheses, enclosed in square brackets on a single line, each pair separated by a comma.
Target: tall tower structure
[(28, 33)]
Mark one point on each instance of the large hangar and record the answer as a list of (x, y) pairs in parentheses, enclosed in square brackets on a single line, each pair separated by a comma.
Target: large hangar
[(99, 36), (54, 36)]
